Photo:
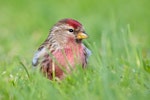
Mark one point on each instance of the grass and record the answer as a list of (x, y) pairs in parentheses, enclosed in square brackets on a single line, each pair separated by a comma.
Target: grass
[(118, 69)]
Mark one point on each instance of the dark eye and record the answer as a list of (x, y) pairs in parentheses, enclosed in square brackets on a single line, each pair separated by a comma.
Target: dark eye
[(71, 30)]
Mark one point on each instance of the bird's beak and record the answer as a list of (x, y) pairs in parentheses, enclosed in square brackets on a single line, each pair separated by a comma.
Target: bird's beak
[(81, 35)]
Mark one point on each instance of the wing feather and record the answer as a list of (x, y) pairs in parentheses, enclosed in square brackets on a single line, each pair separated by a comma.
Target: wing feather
[(38, 54)]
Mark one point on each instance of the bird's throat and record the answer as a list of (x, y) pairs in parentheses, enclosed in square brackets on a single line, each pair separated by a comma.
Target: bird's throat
[(78, 40)]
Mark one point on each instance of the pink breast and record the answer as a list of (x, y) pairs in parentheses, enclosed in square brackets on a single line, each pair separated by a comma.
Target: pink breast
[(69, 55)]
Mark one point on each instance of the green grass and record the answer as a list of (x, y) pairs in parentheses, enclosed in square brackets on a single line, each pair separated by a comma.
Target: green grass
[(118, 69)]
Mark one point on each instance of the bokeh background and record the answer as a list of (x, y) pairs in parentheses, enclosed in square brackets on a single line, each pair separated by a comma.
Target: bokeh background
[(24, 25)]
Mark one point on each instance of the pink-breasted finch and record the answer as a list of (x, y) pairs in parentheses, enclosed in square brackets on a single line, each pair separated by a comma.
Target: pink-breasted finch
[(63, 50)]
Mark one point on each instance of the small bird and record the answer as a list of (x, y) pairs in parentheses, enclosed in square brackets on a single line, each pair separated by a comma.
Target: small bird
[(63, 50)]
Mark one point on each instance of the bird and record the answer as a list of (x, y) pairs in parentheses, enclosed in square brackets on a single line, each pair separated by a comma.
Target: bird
[(63, 50)]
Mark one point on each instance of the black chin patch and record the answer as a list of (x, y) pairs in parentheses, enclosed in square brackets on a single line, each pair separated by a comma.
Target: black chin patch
[(78, 40)]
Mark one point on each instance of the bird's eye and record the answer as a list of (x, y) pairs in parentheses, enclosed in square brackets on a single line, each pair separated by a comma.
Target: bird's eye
[(71, 30)]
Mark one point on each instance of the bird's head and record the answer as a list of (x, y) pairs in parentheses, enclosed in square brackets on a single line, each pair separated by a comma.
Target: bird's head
[(68, 30)]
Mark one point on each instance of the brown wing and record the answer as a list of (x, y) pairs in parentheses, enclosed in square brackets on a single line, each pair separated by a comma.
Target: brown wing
[(42, 50)]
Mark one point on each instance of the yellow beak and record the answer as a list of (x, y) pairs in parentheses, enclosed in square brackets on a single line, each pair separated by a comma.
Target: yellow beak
[(81, 35)]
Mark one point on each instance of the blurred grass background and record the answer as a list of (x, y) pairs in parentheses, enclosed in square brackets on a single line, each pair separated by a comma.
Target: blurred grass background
[(118, 37)]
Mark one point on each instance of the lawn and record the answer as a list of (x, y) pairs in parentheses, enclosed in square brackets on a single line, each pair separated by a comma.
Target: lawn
[(119, 38)]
